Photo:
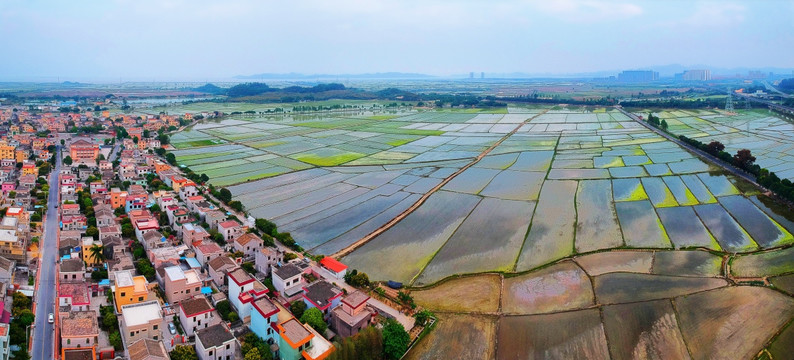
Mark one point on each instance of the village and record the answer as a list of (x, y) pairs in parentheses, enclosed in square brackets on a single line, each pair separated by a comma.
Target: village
[(151, 262)]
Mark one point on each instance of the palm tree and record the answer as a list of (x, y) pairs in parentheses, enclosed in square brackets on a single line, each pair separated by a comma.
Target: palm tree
[(97, 253)]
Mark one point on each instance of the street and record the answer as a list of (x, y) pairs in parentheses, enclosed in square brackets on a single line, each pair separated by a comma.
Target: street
[(44, 298)]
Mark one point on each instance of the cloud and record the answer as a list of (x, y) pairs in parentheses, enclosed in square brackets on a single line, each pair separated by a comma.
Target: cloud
[(711, 14), (588, 10)]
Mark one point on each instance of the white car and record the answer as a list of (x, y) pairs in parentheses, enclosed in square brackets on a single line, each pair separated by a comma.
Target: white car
[(50, 318), (171, 328)]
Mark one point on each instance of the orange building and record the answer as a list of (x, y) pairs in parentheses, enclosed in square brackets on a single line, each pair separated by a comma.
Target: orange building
[(117, 197), (83, 151)]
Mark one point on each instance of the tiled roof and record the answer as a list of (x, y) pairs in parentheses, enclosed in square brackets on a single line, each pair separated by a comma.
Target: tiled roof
[(214, 336)]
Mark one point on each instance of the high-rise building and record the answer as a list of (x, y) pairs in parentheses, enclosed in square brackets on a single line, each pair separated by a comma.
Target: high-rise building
[(697, 75), (638, 76), (471, 75)]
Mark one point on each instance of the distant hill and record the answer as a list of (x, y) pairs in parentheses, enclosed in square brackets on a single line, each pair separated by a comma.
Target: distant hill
[(299, 76), (210, 89)]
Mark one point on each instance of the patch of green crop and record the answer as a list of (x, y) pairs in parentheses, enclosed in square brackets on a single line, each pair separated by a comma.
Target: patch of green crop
[(328, 160)]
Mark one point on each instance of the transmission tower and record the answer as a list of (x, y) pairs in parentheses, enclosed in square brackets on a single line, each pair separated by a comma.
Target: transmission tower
[(747, 104), (729, 102)]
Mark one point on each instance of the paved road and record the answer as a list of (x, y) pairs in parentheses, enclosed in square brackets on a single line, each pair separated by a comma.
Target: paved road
[(45, 296)]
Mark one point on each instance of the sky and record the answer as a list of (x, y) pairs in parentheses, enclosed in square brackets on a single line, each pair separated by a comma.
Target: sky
[(165, 40)]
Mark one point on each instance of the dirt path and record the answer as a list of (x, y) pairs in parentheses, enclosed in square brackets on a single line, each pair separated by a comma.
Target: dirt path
[(424, 197)]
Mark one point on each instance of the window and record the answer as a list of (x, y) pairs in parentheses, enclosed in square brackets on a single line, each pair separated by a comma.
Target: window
[(210, 353), (154, 327), (132, 333), (140, 298), (86, 341), (123, 294), (68, 341), (227, 346)]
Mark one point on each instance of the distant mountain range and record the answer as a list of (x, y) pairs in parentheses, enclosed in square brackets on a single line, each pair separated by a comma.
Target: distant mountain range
[(299, 76), (664, 71)]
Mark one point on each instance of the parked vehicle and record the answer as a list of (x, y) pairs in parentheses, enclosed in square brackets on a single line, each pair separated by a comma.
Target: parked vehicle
[(171, 328)]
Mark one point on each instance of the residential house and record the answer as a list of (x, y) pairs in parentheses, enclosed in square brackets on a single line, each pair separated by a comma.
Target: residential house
[(243, 290), (264, 318), (219, 267), (299, 341), (73, 296), (215, 343), (248, 243), (207, 251), (114, 246), (147, 349), (230, 230), (143, 222), (141, 321), (71, 270), (7, 267), (88, 256), (83, 152), (267, 258), (80, 329), (214, 217), (130, 289), (336, 268), (288, 280), (109, 231), (352, 315), (197, 313), (322, 295), (181, 284), (194, 234), (73, 222), (5, 342)]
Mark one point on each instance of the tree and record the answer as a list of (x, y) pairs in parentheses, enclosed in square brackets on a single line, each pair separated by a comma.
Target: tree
[(146, 133), (115, 339), (224, 308), (715, 147), (663, 125), (183, 352), (314, 317), (67, 160), (395, 340), (155, 208), (423, 316), (298, 308), (93, 232), (127, 231), (225, 195), (35, 217), (204, 178), (236, 205), (743, 159), (96, 252)]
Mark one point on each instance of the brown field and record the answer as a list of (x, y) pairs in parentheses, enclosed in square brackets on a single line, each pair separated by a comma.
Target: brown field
[(646, 330), (621, 288), (785, 283), (616, 261), (478, 293), (458, 337), (687, 263), (732, 323), (568, 335), (559, 287)]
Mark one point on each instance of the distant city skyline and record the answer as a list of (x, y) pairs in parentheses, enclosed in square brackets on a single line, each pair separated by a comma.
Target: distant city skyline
[(197, 40)]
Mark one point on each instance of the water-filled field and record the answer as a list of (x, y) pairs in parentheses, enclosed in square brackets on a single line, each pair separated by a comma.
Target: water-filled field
[(584, 220)]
